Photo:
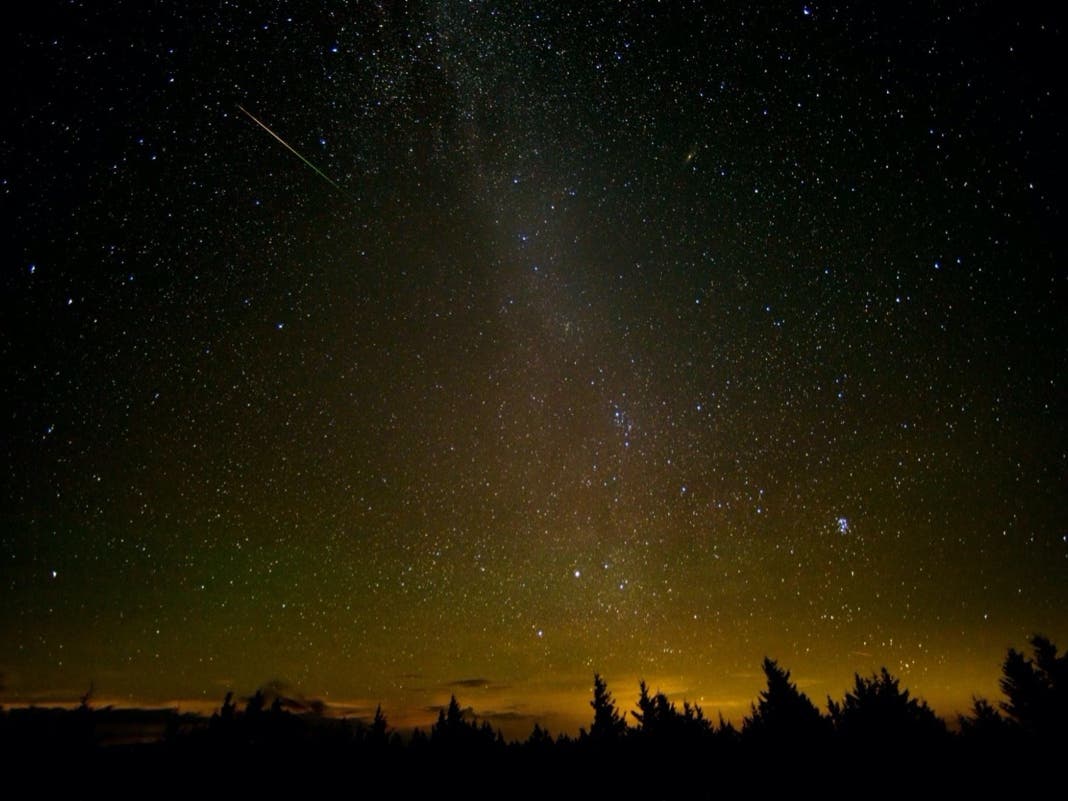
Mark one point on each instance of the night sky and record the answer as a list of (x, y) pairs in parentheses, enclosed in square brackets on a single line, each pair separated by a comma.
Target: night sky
[(646, 339)]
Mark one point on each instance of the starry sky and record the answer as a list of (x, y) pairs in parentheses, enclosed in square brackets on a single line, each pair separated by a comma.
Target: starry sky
[(394, 350)]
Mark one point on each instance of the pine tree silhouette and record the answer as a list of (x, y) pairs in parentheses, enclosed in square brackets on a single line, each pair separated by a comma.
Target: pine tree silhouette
[(608, 725), (646, 714), (877, 709), (660, 721), (540, 740), (451, 727), (783, 713), (1037, 690), (378, 735), (984, 724)]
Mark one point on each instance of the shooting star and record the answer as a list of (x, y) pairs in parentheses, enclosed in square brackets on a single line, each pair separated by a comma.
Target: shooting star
[(285, 144)]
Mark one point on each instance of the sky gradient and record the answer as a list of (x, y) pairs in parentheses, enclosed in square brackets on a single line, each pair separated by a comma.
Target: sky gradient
[(398, 350)]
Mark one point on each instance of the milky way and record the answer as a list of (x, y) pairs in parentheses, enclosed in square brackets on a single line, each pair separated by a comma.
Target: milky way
[(642, 338)]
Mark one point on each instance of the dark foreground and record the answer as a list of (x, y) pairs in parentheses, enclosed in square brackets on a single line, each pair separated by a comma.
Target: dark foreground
[(877, 742)]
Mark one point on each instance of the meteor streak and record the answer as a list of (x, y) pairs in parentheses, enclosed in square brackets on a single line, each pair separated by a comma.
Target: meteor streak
[(285, 144)]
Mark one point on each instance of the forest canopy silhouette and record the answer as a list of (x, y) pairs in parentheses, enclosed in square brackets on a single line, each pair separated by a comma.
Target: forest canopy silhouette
[(875, 716)]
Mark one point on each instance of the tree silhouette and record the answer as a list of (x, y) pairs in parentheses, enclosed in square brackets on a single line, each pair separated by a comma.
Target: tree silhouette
[(540, 740), (255, 705), (646, 714), (451, 726), (85, 699), (1037, 690), (879, 723), (608, 724), (726, 732), (226, 714), (378, 734), (419, 741), (984, 724), (783, 713), (877, 709), (658, 718), (453, 732), (693, 721)]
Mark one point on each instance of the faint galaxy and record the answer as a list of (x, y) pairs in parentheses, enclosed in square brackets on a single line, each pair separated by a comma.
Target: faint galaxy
[(644, 338)]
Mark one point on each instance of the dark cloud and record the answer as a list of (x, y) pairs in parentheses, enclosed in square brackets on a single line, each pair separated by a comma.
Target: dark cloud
[(509, 716), (477, 683), (291, 698), (480, 684), (363, 713)]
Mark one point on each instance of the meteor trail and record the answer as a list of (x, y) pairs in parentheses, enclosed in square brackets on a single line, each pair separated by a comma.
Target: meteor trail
[(285, 144)]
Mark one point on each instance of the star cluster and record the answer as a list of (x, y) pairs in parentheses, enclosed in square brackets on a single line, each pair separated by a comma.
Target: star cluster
[(640, 338)]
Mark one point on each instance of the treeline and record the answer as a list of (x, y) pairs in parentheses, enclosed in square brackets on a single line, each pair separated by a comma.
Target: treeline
[(658, 746)]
